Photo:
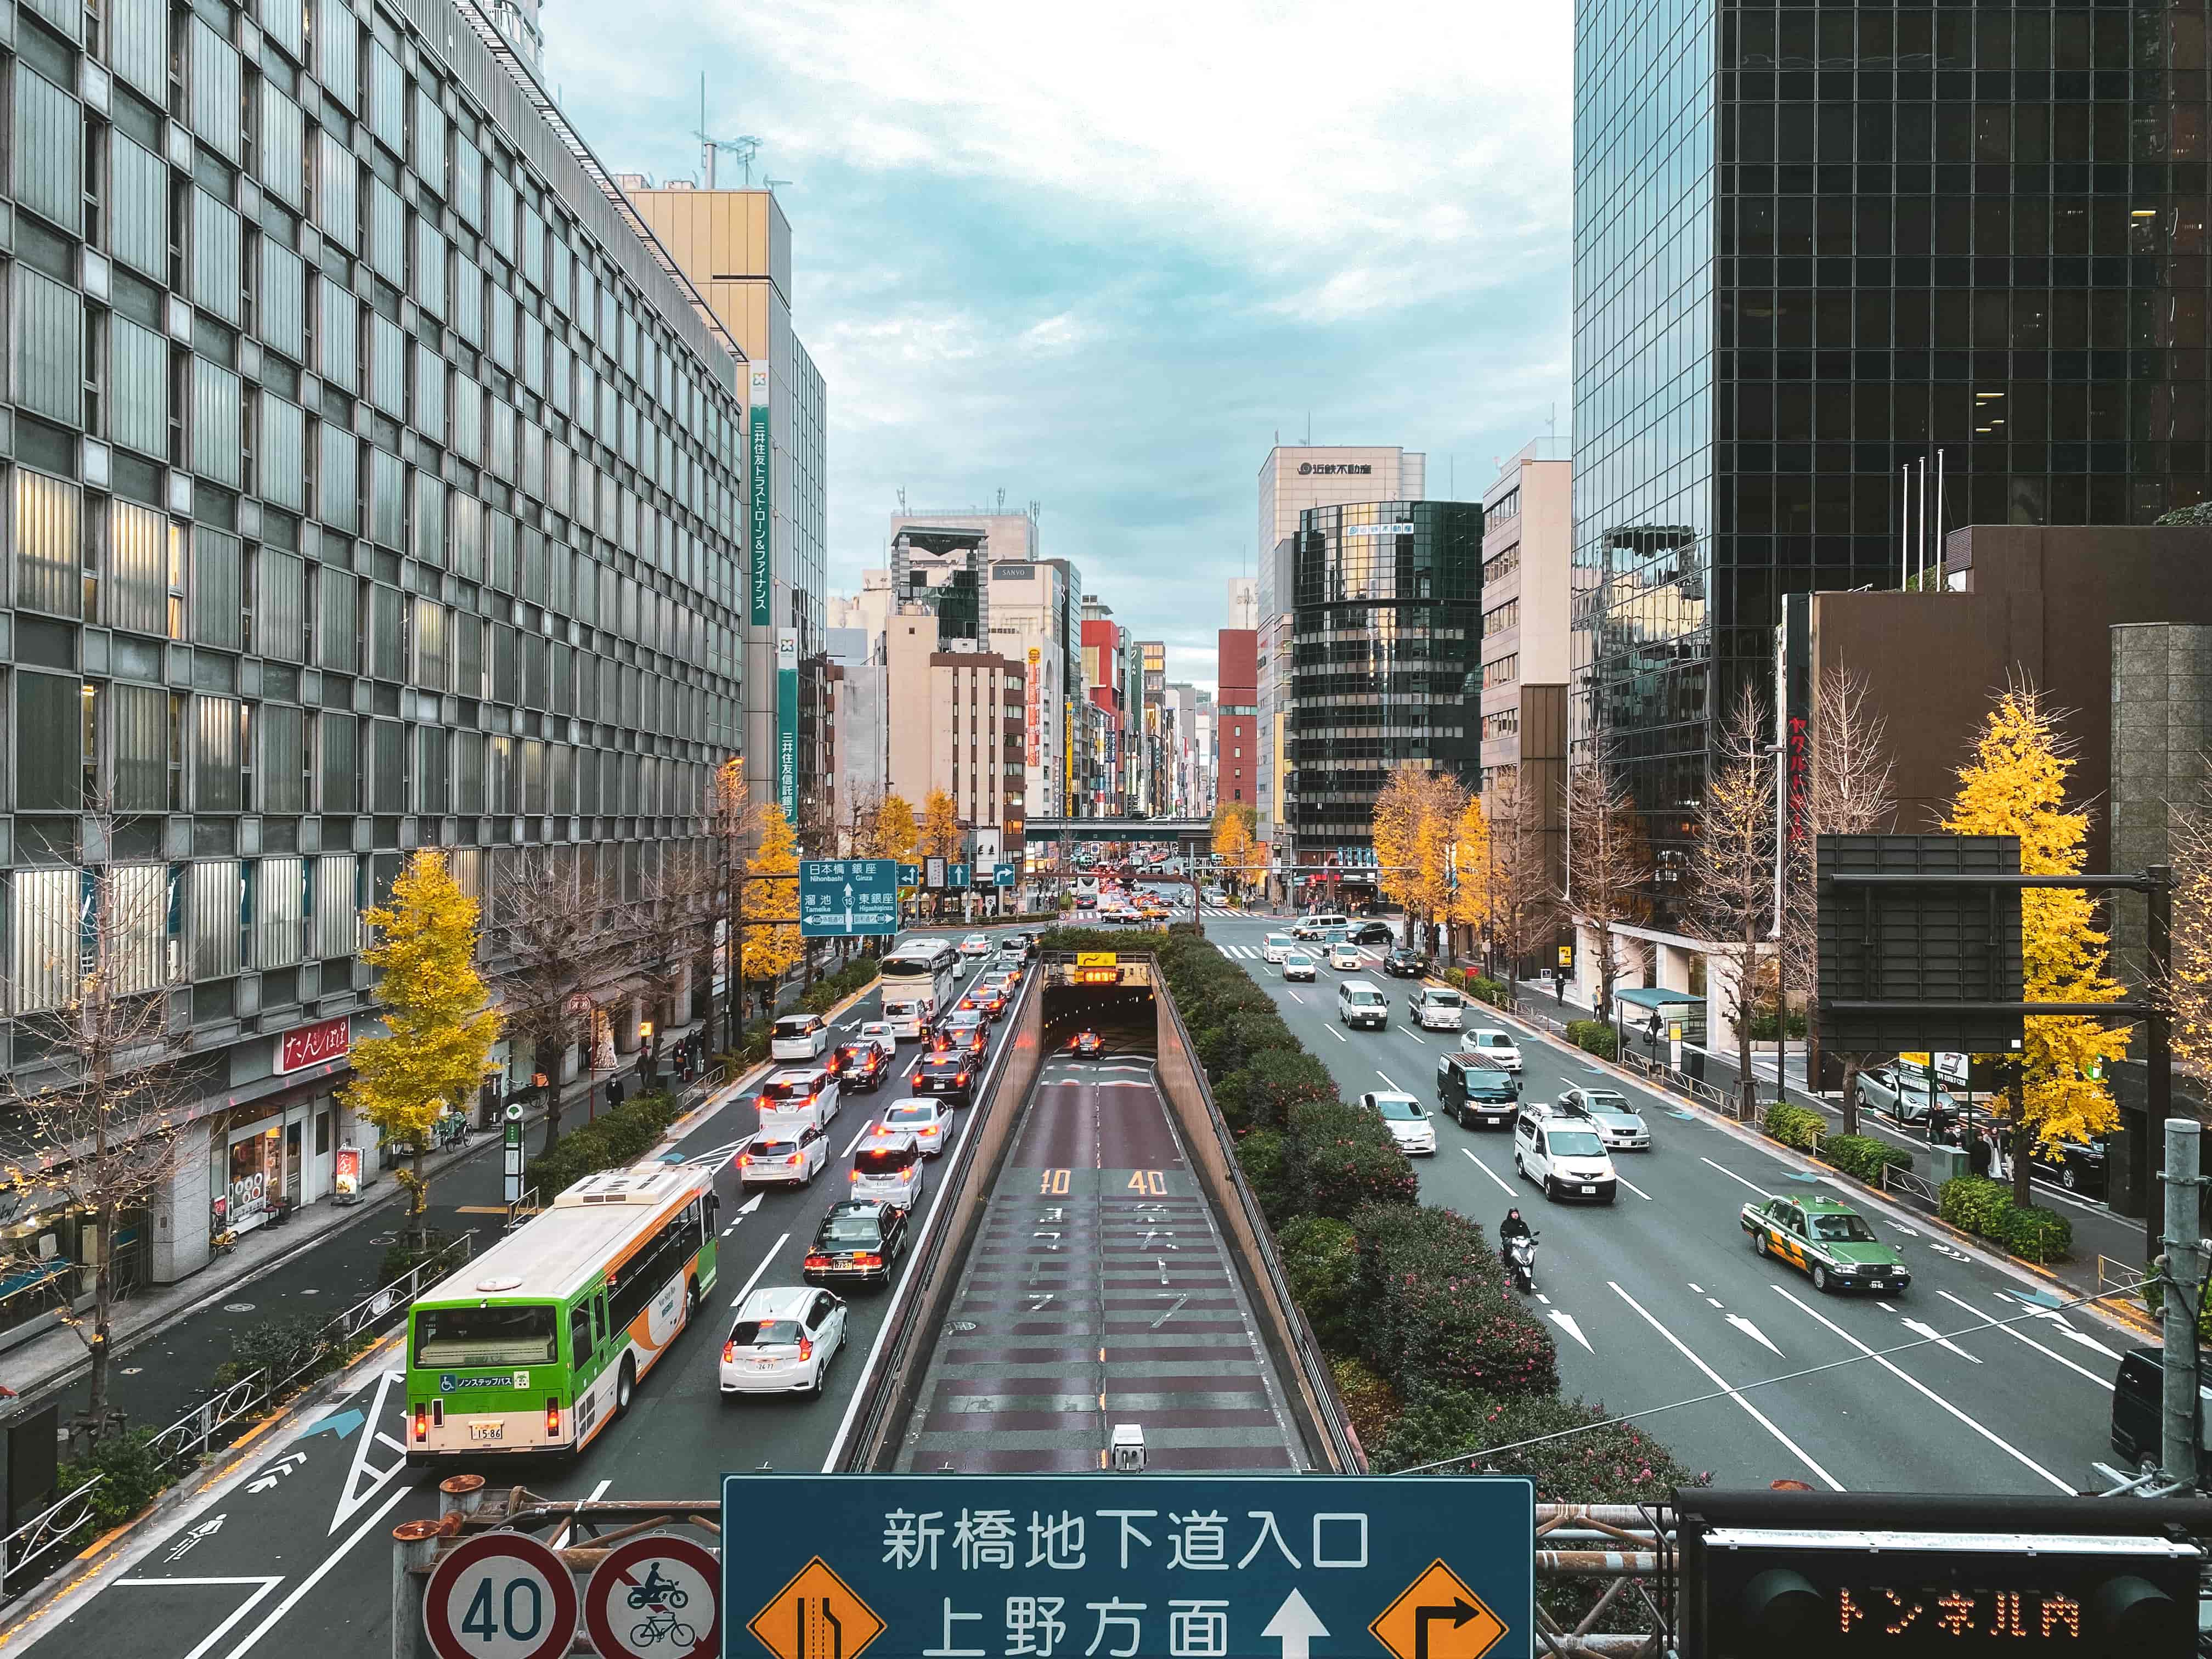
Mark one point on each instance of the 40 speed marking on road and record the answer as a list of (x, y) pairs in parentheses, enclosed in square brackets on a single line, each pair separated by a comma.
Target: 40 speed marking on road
[(655, 1598), (500, 1596)]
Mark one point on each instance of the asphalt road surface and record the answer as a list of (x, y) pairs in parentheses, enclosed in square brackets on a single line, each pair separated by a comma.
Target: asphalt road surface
[(297, 1560), (1658, 1297)]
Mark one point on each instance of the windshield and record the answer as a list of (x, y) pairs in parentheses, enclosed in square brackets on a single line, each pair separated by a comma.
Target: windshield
[(1297, 958), (1365, 999), (485, 1336), (1278, 939), (1441, 998), (910, 1114), (1609, 1106), (850, 1230), (764, 1333), (883, 1160), (1399, 1111), (1842, 1229), (857, 1054), (774, 1148), (1575, 1143), (1492, 1039)]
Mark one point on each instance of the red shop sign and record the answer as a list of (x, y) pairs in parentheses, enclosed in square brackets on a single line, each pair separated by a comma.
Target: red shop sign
[(311, 1045)]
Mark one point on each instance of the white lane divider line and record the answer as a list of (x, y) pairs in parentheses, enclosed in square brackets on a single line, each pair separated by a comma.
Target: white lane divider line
[(265, 1585), (1631, 1185), (1385, 1076), (1487, 1170), (1699, 1289), (1922, 1389), (748, 1290), (316, 1578), (1715, 1300), (1927, 1333), (1338, 1034), (2020, 1336), (858, 1135), (1415, 1035), (1734, 1177), (1718, 1382)]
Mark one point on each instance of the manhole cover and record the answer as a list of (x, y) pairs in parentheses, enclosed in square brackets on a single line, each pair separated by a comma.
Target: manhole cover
[(966, 1325), (308, 1291), (238, 1307), (132, 1371)]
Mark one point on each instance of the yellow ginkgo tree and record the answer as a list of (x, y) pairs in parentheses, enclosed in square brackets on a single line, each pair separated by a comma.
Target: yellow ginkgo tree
[(2015, 785), (439, 1028), (772, 945)]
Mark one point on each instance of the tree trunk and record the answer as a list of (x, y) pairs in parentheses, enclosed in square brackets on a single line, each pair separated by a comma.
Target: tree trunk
[(1850, 1094), (552, 1105), (2023, 1141), (1747, 1083), (418, 1214), (103, 1313)]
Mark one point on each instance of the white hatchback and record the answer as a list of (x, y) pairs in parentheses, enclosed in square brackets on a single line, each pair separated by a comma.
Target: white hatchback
[(975, 944), (1297, 965), (879, 1032), (783, 1341), (784, 1159), (926, 1120), (1345, 958), (1275, 946), (1494, 1048), (1407, 1121)]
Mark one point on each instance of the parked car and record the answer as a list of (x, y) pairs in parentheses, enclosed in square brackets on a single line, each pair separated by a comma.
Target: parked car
[(1373, 932), (783, 1160), (1476, 1094), (1901, 1094), (1492, 1045), (1402, 964), (783, 1341), (1563, 1156), (1619, 1124), (1435, 1009), (859, 1239), (1297, 965), (2076, 1165), (799, 1037)]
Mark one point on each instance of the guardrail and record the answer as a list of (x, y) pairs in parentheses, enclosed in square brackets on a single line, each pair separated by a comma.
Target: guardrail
[(2121, 1281), (216, 1420)]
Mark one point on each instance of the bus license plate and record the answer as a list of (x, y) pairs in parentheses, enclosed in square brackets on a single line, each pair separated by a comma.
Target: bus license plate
[(487, 1431)]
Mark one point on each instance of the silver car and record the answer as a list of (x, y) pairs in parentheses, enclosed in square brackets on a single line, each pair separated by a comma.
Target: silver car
[(1901, 1094), (1619, 1124)]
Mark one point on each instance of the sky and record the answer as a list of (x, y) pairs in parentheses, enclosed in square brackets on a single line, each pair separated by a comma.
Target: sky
[(1100, 257)]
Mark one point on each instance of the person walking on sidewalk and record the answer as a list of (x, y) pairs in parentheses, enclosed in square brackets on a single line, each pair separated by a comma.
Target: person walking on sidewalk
[(614, 1092)]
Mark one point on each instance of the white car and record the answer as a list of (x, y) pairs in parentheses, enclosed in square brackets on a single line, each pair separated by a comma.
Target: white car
[(975, 944), (1563, 1156), (784, 1159), (1407, 1121), (1346, 958), (783, 1341), (800, 1036), (1619, 1124), (925, 1120), (1275, 946), (1435, 1009), (888, 1167), (879, 1032), (1297, 965), (1494, 1046)]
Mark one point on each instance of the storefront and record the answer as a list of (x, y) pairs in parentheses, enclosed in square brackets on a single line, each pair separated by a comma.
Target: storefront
[(269, 1158)]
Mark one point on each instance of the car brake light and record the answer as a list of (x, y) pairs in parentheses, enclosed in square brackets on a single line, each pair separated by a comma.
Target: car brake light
[(552, 1419), (806, 1347), (729, 1352), (867, 1261), (422, 1423), (963, 1077), (906, 1175), (818, 1261), (744, 1160)]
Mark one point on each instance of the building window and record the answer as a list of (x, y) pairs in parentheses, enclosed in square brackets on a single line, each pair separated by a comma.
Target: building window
[(1504, 672)]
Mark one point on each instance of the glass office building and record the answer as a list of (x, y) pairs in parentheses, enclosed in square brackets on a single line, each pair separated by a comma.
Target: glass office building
[(371, 485), (1386, 662), (1815, 245)]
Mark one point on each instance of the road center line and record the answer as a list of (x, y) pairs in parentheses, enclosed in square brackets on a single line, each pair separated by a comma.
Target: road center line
[(1631, 1185), (316, 1576), (1415, 1035), (2015, 1333), (858, 1137), (1734, 1177), (1714, 1378), (1487, 1170), (758, 1271), (1385, 1076), (1920, 1388), (1338, 1034)]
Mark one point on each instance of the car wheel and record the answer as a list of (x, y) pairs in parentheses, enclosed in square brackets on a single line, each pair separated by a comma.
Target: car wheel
[(1819, 1278), (690, 1303), (625, 1385), (2068, 1177), (1758, 1241)]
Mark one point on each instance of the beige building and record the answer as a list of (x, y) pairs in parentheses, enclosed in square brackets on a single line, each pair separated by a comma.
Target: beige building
[(955, 722)]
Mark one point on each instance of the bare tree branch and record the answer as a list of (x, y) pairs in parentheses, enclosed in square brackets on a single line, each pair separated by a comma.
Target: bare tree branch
[(1609, 859), (1731, 897)]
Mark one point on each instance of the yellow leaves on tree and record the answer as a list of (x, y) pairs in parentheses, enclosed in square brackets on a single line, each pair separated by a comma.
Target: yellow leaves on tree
[(941, 836), (771, 952), (1232, 839), (1417, 817), (2016, 786), (1470, 901), (897, 834), (433, 1002)]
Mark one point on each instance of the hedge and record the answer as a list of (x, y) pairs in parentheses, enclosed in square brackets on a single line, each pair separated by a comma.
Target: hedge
[(1433, 1309), (1985, 1208), (1338, 1158), (135, 1476), (1261, 1094), (1594, 1036), (1863, 1157), (1794, 1125), (826, 993), (614, 1138), (1618, 1464), (1321, 1259)]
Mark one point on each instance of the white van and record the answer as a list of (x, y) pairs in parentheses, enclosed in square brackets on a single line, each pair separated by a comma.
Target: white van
[(798, 1098), (1563, 1155), (889, 1167), (1275, 946), (799, 1037), (1361, 1002)]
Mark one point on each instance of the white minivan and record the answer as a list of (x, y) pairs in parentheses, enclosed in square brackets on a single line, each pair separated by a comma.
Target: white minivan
[(1564, 1156), (800, 1098), (1271, 949), (799, 1037), (1361, 1002)]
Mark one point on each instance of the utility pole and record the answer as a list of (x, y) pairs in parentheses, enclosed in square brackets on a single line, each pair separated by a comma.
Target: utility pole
[(2184, 1286)]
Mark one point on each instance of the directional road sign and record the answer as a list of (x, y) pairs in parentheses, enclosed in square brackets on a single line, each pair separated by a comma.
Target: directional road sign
[(956, 875), (499, 1595), (1002, 875), (949, 1566), (655, 1598), (838, 898), (909, 875)]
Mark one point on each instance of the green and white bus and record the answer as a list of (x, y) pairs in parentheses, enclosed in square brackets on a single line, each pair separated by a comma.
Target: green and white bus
[(537, 1344)]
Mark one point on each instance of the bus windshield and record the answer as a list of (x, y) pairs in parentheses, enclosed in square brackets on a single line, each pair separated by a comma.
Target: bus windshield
[(451, 1337)]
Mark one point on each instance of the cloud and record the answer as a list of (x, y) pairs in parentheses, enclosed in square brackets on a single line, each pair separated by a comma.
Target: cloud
[(1099, 258)]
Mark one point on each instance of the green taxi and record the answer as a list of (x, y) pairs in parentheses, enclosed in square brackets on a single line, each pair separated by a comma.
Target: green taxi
[(1828, 1239)]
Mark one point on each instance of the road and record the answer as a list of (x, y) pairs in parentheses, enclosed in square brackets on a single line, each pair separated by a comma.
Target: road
[(297, 1559), (1659, 1298)]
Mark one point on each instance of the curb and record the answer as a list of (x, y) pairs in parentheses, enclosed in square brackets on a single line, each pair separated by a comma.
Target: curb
[(2121, 1320), (728, 1093)]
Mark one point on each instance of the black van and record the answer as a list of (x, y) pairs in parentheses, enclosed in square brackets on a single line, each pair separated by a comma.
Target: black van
[(2138, 1406), (1476, 1094)]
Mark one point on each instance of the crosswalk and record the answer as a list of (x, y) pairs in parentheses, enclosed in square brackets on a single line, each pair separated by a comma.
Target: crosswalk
[(1253, 952)]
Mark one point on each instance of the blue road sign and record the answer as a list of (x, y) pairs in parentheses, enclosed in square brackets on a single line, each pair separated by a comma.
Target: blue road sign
[(1002, 875), (956, 875), (909, 875), (838, 898), (950, 1566)]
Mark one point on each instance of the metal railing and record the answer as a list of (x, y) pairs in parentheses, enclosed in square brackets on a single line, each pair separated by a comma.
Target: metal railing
[(2121, 1281), (216, 1420)]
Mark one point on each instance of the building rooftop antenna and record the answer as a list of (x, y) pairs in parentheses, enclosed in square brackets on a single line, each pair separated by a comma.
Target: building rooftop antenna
[(1002, 499), (902, 495), (744, 147)]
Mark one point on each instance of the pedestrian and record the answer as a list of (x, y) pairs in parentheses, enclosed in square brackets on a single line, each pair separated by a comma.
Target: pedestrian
[(614, 1092)]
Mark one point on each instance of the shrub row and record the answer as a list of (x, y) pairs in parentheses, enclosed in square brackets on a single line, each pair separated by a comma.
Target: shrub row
[(1479, 986), (1594, 1036), (1985, 1208), (1796, 1125), (1863, 1157), (826, 993), (620, 1136)]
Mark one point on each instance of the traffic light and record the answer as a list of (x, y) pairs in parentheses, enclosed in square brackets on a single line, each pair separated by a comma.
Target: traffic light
[(1822, 1576)]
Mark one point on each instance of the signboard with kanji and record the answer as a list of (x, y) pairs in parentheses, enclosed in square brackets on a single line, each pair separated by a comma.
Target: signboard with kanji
[(950, 1566), (839, 897)]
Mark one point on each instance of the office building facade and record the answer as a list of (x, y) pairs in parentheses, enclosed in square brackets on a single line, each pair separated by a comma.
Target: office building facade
[(955, 723), (1815, 246), (1236, 717), (1034, 604), (372, 486)]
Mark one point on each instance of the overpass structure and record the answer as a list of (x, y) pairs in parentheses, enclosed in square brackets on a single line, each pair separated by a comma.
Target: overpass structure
[(1180, 830)]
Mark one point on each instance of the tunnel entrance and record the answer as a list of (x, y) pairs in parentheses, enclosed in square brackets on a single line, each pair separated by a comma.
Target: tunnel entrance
[(1103, 993)]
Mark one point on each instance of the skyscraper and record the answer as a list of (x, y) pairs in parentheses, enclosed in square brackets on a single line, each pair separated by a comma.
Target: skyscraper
[(1814, 245)]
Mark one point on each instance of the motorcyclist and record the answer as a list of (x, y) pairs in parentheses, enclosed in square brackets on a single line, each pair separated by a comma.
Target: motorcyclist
[(1514, 1226)]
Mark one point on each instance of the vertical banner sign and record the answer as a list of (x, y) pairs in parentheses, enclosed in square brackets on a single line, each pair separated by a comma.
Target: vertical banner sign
[(786, 723), (1033, 689), (760, 513)]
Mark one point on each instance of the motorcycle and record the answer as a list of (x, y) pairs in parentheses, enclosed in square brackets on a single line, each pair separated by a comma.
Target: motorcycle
[(1521, 1262)]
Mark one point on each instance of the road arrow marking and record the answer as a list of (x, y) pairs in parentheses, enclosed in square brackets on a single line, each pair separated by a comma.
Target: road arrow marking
[(1751, 1331), (1295, 1625), (275, 1471), (1922, 1328), (206, 1529), (1565, 1321), (340, 1423)]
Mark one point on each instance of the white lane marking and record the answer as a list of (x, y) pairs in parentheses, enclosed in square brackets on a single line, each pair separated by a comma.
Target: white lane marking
[(2015, 1332), (1487, 1170), (1716, 1379), (222, 1630), (1338, 1034), (1631, 1185), (1752, 1332), (354, 1494), (758, 1271), (1921, 1327), (1699, 1289), (2059, 1319), (858, 1135), (317, 1575), (1565, 1321), (1415, 1035), (1385, 1076), (561, 1538), (1739, 1180), (1542, 1297), (1922, 1389), (1295, 997)]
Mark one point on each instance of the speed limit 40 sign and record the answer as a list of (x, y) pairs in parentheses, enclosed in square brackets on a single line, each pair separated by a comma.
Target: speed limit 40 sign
[(499, 1595)]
